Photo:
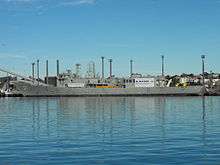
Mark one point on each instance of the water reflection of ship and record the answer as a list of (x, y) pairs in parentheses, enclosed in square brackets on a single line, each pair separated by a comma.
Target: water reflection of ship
[(106, 118), (98, 109), (95, 114), (41, 109), (101, 118), (108, 109)]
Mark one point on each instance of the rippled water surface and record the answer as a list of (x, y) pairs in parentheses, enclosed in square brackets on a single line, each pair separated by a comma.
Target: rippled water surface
[(110, 130)]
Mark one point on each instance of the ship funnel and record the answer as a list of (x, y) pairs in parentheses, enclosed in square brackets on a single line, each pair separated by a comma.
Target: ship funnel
[(58, 68), (78, 70), (110, 62), (46, 72)]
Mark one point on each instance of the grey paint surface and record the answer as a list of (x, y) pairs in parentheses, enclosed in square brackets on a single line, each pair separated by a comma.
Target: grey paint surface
[(29, 89)]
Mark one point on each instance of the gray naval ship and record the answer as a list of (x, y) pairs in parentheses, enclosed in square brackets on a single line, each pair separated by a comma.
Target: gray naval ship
[(72, 84), (27, 88)]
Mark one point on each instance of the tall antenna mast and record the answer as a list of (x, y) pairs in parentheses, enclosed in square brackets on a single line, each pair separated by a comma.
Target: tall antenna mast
[(103, 66)]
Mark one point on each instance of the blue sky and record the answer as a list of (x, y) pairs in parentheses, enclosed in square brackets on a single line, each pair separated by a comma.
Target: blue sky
[(79, 31)]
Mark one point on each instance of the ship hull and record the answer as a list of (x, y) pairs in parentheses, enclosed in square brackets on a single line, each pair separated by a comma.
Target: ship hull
[(28, 89)]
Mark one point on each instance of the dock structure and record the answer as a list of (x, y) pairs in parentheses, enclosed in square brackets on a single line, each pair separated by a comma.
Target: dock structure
[(12, 94)]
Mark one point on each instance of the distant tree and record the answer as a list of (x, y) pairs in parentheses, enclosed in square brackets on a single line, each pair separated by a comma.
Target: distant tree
[(167, 77), (191, 75), (206, 75), (184, 75)]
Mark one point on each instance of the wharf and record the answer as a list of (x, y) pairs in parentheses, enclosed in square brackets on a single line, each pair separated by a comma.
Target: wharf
[(11, 95), (15, 94)]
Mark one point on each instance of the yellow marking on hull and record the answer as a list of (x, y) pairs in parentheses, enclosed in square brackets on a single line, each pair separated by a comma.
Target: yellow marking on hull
[(107, 87)]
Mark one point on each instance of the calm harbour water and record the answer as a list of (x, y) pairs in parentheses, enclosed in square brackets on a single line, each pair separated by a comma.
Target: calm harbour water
[(110, 130)]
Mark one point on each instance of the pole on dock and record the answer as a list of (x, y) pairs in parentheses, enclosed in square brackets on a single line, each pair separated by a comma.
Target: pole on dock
[(103, 66), (38, 72), (203, 69), (33, 71), (131, 67), (110, 62), (47, 72), (58, 68)]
